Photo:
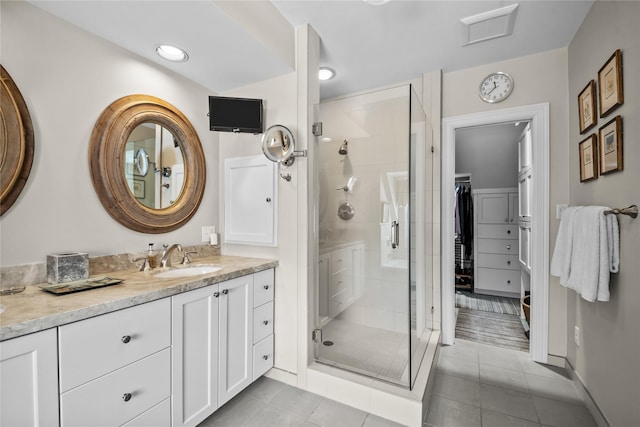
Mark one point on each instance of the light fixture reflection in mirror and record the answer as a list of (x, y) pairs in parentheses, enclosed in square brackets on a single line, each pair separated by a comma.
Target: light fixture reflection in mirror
[(152, 153)]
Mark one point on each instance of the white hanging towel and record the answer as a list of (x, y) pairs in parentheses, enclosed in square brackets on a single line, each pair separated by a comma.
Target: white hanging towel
[(587, 251)]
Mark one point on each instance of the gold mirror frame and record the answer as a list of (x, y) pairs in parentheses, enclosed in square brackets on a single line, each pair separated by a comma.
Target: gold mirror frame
[(16, 142), (106, 163)]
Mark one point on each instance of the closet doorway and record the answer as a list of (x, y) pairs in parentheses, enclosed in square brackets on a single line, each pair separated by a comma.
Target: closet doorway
[(491, 279), (538, 227)]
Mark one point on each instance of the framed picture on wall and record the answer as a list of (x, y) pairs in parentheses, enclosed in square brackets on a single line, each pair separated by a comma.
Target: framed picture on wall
[(588, 158), (610, 89), (587, 107), (610, 136), (138, 188)]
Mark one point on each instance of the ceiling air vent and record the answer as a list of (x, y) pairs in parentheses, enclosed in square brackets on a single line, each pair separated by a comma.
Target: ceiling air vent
[(488, 25)]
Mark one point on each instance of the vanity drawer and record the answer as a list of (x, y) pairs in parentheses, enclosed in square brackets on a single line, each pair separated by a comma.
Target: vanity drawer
[(96, 346), (509, 262), (263, 284), (339, 302), (498, 246), (262, 321), (340, 282), (340, 260), (120, 396), (491, 231), (262, 357), (158, 416)]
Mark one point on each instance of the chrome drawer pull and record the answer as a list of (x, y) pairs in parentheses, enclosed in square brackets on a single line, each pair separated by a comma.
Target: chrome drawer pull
[(508, 282), (126, 397), (508, 231), (266, 322), (509, 247), (265, 357), (216, 294), (225, 291), (508, 262), (266, 287), (125, 339)]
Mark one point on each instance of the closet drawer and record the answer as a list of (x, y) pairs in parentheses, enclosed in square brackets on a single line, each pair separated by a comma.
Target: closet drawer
[(339, 302), (262, 357), (488, 231), (509, 262), (493, 279), (498, 246), (103, 400), (96, 346), (263, 287), (262, 321)]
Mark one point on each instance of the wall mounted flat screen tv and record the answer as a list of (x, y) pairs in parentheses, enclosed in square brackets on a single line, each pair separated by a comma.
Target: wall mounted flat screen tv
[(235, 114)]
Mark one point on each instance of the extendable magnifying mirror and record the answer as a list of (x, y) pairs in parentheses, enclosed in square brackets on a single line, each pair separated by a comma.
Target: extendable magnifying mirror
[(279, 146)]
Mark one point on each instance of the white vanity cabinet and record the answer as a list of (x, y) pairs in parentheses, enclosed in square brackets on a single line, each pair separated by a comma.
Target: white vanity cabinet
[(29, 380), (215, 342), (115, 367)]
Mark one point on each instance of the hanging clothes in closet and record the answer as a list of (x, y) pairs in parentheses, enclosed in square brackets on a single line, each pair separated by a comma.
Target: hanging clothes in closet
[(464, 216)]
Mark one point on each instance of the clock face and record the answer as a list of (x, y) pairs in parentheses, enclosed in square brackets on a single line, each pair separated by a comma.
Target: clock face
[(496, 87)]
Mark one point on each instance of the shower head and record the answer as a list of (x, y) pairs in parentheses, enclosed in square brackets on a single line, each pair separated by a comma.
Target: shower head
[(343, 148)]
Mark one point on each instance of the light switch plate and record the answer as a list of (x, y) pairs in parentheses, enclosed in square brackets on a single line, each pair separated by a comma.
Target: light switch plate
[(207, 231)]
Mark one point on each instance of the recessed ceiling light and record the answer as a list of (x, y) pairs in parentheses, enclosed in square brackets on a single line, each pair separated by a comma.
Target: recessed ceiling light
[(171, 53), (326, 73)]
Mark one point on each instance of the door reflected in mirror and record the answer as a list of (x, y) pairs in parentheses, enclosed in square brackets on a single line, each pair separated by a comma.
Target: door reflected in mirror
[(154, 166)]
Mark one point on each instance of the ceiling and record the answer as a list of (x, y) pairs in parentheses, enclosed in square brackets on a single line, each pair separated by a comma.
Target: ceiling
[(235, 43)]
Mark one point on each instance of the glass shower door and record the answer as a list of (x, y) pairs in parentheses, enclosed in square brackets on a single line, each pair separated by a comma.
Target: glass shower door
[(364, 219)]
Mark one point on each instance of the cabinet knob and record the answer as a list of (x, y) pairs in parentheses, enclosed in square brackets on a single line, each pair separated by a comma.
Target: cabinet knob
[(508, 231), (265, 357), (508, 282), (511, 219), (266, 322), (509, 247), (125, 339), (126, 397), (266, 287), (506, 220), (225, 291), (268, 199), (216, 294)]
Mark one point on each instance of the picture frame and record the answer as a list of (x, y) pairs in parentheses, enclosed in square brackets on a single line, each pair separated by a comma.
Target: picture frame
[(611, 156), (610, 90), (588, 149), (138, 188), (587, 107)]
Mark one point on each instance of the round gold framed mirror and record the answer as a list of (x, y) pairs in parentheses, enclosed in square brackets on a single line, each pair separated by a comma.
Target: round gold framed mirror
[(16, 142), (109, 163)]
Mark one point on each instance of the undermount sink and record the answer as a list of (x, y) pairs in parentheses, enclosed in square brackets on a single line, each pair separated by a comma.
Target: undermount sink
[(192, 270)]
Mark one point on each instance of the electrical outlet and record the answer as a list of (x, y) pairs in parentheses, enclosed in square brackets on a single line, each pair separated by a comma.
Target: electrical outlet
[(576, 336), (207, 231)]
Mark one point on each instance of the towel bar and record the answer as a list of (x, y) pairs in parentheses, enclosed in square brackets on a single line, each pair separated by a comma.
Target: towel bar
[(632, 211)]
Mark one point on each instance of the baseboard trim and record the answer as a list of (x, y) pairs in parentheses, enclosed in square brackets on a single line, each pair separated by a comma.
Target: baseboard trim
[(597, 414)]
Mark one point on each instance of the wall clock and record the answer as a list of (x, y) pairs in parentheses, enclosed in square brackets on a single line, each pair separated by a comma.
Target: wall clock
[(496, 87)]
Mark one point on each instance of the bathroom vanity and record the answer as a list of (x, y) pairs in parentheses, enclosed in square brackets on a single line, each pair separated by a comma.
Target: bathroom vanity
[(149, 351)]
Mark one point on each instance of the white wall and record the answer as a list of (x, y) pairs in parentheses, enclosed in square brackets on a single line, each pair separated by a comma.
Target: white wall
[(607, 358), (280, 107), (67, 77), (539, 78)]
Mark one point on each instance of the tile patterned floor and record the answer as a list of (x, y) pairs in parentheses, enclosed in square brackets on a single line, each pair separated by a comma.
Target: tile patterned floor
[(475, 386)]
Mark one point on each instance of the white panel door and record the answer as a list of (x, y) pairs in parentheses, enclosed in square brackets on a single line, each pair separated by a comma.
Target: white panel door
[(250, 201), (29, 380), (194, 356), (492, 208), (236, 337)]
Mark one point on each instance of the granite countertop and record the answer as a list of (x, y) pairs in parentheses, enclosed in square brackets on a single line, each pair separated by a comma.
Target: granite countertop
[(35, 309)]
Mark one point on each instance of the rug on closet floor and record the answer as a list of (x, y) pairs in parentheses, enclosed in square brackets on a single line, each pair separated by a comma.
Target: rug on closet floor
[(490, 303), (497, 329)]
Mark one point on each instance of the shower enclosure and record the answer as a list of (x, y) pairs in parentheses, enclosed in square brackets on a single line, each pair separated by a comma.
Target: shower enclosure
[(374, 292)]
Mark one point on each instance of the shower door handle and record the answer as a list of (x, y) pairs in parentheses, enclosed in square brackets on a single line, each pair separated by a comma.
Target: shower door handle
[(395, 235)]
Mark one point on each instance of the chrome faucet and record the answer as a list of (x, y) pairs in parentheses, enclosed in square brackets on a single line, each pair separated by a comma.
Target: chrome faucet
[(166, 254)]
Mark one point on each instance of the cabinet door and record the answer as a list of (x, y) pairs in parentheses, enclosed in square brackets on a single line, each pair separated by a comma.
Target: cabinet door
[(492, 208), (29, 380), (236, 337), (250, 201), (194, 355)]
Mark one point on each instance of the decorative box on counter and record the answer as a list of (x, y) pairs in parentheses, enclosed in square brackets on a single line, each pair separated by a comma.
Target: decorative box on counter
[(67, 267)]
